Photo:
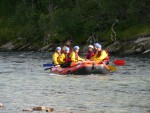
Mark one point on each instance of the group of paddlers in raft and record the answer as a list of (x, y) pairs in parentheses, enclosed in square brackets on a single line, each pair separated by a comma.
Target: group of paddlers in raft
[(63, 57)]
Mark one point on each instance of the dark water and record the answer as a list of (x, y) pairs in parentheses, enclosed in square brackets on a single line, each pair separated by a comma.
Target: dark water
[(24, 84)]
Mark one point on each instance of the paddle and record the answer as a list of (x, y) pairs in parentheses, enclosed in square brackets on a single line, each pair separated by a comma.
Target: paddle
[(112, 68), (119, 62), (48, 65), (48, 68)]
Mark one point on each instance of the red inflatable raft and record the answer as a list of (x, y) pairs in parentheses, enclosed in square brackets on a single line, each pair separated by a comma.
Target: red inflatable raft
[(82, 69)]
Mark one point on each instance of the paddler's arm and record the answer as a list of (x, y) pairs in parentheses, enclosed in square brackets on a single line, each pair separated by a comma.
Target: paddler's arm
[(80, 59), (94, 56), (54, 59), (73, 57), (62, 58)]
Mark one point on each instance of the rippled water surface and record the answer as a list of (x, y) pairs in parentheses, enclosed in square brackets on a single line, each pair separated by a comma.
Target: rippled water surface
[(24, 84)]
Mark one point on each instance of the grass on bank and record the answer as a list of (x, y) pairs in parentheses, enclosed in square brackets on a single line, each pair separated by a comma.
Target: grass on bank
[(126, 32)]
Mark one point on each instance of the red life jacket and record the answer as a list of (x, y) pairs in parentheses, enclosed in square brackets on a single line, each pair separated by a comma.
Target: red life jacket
[(67, 58), (89, 55)]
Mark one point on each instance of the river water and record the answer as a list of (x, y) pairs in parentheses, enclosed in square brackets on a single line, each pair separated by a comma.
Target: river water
[(24, 84)]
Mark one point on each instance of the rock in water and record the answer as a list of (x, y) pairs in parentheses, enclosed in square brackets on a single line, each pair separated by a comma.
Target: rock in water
[(49, 109), (1, 105), (27, 110), (43, 108)]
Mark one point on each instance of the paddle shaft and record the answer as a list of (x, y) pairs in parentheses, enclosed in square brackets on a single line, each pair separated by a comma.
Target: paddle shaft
[(48, 68)]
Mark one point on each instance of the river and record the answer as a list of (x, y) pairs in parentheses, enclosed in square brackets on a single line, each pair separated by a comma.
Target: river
[(24, 84)]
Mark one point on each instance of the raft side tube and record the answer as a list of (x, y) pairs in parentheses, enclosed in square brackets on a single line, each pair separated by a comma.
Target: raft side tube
[(101, 69), (81, 69), (84, 69)]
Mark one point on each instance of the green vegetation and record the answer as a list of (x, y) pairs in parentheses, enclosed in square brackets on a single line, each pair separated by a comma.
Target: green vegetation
[(54, 20)]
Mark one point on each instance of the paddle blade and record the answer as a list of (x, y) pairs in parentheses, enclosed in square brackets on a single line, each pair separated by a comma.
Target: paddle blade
[(112, 68), (119, 62), (48, 65)]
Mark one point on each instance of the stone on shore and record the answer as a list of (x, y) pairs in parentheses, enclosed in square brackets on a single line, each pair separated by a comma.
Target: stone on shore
[(139, 46), (8, 46)]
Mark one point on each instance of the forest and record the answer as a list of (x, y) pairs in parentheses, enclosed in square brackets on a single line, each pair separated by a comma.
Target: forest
[(55, 20)]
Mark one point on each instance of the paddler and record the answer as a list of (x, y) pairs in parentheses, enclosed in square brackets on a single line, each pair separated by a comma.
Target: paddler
[(90, 52), (65, 60), (68, 43), (74, 55), (101, 55), (56, 57)]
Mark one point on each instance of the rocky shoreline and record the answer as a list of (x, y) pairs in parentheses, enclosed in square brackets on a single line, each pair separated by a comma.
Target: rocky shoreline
[(139, 46)]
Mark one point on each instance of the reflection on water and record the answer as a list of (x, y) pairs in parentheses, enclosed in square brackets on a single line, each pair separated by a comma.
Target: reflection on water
[(24, 84)]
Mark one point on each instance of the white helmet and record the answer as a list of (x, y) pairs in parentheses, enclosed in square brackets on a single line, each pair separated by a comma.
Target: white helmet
[(58, 48), (91, 46)]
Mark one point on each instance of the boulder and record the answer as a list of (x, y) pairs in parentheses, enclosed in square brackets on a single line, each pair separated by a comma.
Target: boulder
[(114, 47), (139, 46), (146, 52), (139, 40), (142, 45), (49, 109), (1, 105), (23, 47), (44, 48), (147, 45), (43, 108), (27, 110), (8, 46)]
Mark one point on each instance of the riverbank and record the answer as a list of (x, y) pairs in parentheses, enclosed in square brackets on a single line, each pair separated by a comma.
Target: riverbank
[(140, 45)]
